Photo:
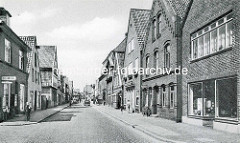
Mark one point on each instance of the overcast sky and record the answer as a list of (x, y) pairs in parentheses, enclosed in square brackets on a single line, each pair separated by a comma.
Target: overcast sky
[(84, 31)]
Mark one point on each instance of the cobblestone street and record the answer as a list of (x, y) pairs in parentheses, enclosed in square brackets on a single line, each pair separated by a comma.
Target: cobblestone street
[(75, 124)]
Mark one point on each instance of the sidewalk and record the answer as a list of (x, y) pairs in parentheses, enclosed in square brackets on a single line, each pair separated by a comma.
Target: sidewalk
[(36, 117), (167, 130)]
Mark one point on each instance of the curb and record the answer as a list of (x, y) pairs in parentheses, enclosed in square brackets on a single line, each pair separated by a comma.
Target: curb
[(52, 114), (31, 123), (139, 128)]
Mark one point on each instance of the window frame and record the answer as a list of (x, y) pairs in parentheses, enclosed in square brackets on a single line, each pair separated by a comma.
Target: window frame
[(167, 56), (159, 25), (154, 29), (156, 59), (210, 29), (21, 60), (8, 51)]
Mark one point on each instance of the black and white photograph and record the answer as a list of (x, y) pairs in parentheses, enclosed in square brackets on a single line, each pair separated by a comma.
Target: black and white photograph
[(119, 71)]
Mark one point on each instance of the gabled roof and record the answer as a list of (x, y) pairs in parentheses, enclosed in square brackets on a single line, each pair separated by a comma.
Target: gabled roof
[(47, 56), (141, 19), (179, 6), (122, 46)]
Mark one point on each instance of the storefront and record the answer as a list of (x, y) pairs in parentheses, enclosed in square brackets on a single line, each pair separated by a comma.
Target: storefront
[(213, 101)]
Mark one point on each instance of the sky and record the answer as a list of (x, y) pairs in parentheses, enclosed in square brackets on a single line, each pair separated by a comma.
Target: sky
[(84, 31)]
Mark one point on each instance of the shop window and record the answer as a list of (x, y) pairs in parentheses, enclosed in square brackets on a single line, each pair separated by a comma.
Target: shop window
[(195, 99), (212, 38), (6, 95), (227, 97), (8, 51), (209, 98), (21, 99)]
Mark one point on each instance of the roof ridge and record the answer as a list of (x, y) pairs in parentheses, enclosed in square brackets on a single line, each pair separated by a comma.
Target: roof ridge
[(140, 9)]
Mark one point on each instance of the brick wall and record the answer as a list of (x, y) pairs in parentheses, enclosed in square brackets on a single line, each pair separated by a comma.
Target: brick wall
[(222, 64)]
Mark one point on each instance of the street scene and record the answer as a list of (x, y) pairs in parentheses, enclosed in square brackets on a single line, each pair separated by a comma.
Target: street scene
[(103, 71)]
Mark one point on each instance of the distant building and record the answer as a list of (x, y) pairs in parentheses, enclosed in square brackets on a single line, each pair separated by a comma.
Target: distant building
[(49, 73), (88, 90), (114, 63), (34, 79), (13, 69)]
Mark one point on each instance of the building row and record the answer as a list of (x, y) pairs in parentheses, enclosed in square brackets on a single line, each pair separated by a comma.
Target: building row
[(29, 73), (185, 59)]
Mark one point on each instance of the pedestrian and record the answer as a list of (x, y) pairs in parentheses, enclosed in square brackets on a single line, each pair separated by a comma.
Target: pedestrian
[(70, 103), (28, 111), (122, 107)]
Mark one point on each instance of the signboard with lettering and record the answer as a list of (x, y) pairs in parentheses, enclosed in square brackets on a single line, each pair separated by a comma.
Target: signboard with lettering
[(29, 40), (9, 78)]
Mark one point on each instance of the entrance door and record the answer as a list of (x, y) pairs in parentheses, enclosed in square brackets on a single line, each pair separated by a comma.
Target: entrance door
[(35, 101)]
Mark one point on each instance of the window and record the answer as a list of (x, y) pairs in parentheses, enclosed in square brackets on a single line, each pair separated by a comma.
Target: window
[(154, 29), (6, 95), (156, 58), (33, 79), (172, 96), (159, 24), (147, 65), (164, 96), (130, 68), (21, 99), (195, 99), (209, 98), (221, 94), (167, 56), (227, 97), (21, 61), (36, 77), (212, 38), (8, 51), (147, 62), (39, 78), (130, 46), (35, 59)]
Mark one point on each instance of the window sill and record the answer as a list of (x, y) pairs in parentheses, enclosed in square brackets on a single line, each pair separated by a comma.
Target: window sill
[(210, 55)]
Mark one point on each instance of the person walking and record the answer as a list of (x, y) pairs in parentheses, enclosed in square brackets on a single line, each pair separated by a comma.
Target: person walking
[(28, 111)]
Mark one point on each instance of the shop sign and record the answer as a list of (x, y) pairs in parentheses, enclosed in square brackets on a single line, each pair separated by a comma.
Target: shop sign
[(9, 78)]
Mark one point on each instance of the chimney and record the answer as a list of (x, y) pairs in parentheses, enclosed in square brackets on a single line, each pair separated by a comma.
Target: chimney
[(5, 16)]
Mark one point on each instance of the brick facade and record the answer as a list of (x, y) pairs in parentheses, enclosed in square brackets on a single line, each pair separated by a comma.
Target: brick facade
[(17, 99), (212, 67)]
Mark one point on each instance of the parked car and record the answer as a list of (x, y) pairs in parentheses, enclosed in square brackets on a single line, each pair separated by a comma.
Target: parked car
[(86, 103)]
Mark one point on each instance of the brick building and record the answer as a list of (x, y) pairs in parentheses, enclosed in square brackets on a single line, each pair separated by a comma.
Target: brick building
[(49, 74), (13, 63), (161, 56), (34, 80), (211, 52), (137, 28)]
